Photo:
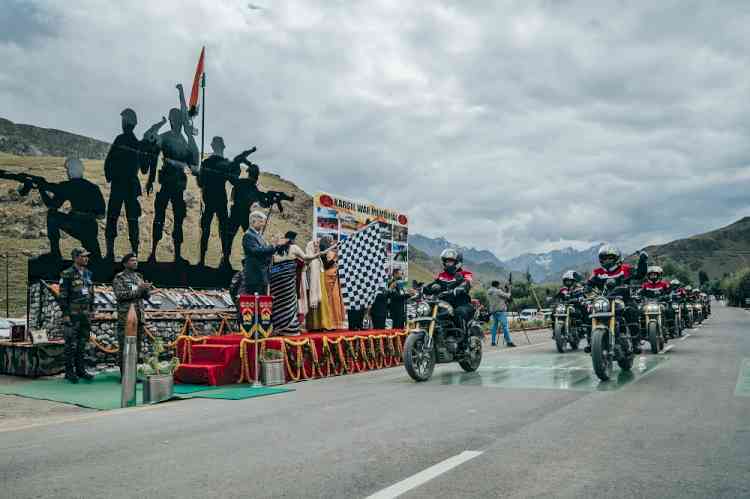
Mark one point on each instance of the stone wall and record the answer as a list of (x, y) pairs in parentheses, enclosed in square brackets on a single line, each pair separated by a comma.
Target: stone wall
[(45, 313)]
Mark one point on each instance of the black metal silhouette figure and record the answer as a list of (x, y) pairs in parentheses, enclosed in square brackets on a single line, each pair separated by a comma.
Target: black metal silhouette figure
[(215, 172), (86, 206), (178, 154), (126, 156)]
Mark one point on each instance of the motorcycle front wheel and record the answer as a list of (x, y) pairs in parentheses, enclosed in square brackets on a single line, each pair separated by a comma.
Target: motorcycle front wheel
[(653, 336), (418, 360), (601, 353), (471, 363), (559, 334)]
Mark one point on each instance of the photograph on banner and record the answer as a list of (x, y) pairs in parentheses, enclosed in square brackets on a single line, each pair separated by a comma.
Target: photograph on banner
[(340, 217)]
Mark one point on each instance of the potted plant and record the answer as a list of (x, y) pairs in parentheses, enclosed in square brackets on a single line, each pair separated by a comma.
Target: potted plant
[(272, 367), (158, 380)]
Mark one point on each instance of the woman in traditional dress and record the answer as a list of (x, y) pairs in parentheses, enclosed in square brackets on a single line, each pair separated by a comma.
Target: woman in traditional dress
[(331, 282)]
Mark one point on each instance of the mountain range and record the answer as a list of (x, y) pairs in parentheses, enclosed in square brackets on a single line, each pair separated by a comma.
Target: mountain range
[(542, 266)]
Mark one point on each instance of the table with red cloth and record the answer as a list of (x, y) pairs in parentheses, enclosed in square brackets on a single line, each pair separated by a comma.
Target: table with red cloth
[(218, 360)]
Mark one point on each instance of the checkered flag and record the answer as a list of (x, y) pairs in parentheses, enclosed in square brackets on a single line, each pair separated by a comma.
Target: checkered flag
[(362, 267)]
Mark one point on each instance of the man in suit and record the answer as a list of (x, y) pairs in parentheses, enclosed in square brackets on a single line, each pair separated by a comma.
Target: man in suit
[(258, 255)]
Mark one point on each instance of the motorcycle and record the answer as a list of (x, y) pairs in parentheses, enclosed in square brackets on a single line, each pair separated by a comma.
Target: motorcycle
[(610, 336), (569, 326), (673, 319), (689, 316), (652, 320), (698, 312), (436, 339)]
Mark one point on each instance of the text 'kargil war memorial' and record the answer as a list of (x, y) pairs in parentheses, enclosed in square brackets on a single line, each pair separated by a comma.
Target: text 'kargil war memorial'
[(324, 313)]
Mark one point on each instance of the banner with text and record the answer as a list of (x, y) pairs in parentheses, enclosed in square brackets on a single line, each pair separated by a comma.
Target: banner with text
[(339, 217)]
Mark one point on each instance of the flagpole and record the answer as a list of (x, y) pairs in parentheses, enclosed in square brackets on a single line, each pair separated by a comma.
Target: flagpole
[(203, 114)]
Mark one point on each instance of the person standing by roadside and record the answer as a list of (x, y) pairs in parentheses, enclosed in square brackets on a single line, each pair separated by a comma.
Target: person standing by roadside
[(76, 300), (130, 289), (498, 306)]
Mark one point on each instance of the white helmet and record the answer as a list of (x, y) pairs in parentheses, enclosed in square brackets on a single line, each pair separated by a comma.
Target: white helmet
[(654, 273)]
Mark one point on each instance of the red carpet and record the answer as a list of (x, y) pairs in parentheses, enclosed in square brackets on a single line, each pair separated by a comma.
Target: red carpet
[(221, 360)]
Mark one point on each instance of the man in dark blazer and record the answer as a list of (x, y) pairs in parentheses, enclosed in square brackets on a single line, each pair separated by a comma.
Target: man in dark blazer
[(258, 255)]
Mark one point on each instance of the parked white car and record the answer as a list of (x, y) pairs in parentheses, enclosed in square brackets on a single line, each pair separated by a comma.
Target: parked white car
[(527, 314)]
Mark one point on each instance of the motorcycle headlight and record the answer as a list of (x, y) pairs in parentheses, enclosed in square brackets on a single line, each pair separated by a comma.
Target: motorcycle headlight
[(675, 307), (560, 309), (651, 308), (423, 310), (601, 306)]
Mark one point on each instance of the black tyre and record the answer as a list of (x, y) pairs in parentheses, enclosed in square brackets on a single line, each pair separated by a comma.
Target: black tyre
[(626, 364), (418, 361), (471, 363), (559, 335), (601, 353), (574, 342), (653, 336)]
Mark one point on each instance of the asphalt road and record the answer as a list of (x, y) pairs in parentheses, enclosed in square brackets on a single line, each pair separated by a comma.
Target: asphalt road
[(538, 423)]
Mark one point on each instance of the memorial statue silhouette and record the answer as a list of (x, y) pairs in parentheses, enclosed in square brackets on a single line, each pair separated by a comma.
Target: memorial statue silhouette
[(178, 154), (86, 206), (125, 158), (213, 176)]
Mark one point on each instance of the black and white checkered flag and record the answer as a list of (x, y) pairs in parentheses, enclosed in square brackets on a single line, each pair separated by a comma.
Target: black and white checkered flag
[(362, 267)]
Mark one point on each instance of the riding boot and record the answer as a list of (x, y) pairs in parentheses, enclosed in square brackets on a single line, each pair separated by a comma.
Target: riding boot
[(81, 366)]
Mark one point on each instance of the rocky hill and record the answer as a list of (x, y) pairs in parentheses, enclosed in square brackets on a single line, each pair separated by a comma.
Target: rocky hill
[(548, 267), (28, 140), (717, 252)]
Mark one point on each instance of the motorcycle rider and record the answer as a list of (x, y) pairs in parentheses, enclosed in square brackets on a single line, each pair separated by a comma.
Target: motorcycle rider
[(614, 272), (457, 281), (572, 285), (655, 286), (573, 288)]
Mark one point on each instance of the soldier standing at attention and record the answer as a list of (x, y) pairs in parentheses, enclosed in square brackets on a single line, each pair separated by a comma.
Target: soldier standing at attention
[(130, 288), (76, 300)]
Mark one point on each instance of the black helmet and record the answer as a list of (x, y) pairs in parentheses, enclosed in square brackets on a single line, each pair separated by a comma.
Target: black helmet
[(654, 273), (455, 256), (609, 257)]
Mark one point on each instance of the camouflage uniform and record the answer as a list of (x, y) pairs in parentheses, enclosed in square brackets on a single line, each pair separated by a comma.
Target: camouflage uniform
[(126, 286), (76, 300)]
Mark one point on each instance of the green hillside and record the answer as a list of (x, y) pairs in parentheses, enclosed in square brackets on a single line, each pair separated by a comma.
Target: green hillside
[(717, 253)]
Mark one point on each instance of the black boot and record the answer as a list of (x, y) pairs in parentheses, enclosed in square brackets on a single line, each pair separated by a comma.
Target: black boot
[(80, 365), (110, 256)]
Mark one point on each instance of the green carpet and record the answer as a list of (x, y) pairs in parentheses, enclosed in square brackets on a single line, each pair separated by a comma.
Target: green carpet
[(103, 392), (239, 392)]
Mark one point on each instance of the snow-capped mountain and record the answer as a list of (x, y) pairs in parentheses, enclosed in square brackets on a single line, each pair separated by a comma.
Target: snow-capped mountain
[(548, 266), (542, 266), (435, 246)]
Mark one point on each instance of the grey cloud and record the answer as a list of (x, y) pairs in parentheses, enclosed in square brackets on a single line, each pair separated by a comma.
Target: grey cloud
[(512, 126)]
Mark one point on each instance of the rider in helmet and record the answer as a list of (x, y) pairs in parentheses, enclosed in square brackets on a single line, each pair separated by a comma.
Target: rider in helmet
[(655, 286), (571, 281), (457, 281), (614, 272)]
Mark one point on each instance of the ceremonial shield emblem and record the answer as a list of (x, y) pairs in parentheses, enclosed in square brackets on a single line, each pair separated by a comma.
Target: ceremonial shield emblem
[(248, 308), (265, 307)]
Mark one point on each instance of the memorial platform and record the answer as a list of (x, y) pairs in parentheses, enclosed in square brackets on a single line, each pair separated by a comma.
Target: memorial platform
[(222, 360)]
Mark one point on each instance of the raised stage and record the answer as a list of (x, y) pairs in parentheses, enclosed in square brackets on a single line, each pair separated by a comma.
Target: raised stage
[(223, 360)]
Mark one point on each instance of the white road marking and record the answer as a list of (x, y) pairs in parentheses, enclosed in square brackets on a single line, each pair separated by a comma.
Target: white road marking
[(667, 348), (685, 337), (424, 476)]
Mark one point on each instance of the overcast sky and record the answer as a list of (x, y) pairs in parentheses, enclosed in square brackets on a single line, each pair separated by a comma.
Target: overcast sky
[(512, 126)]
